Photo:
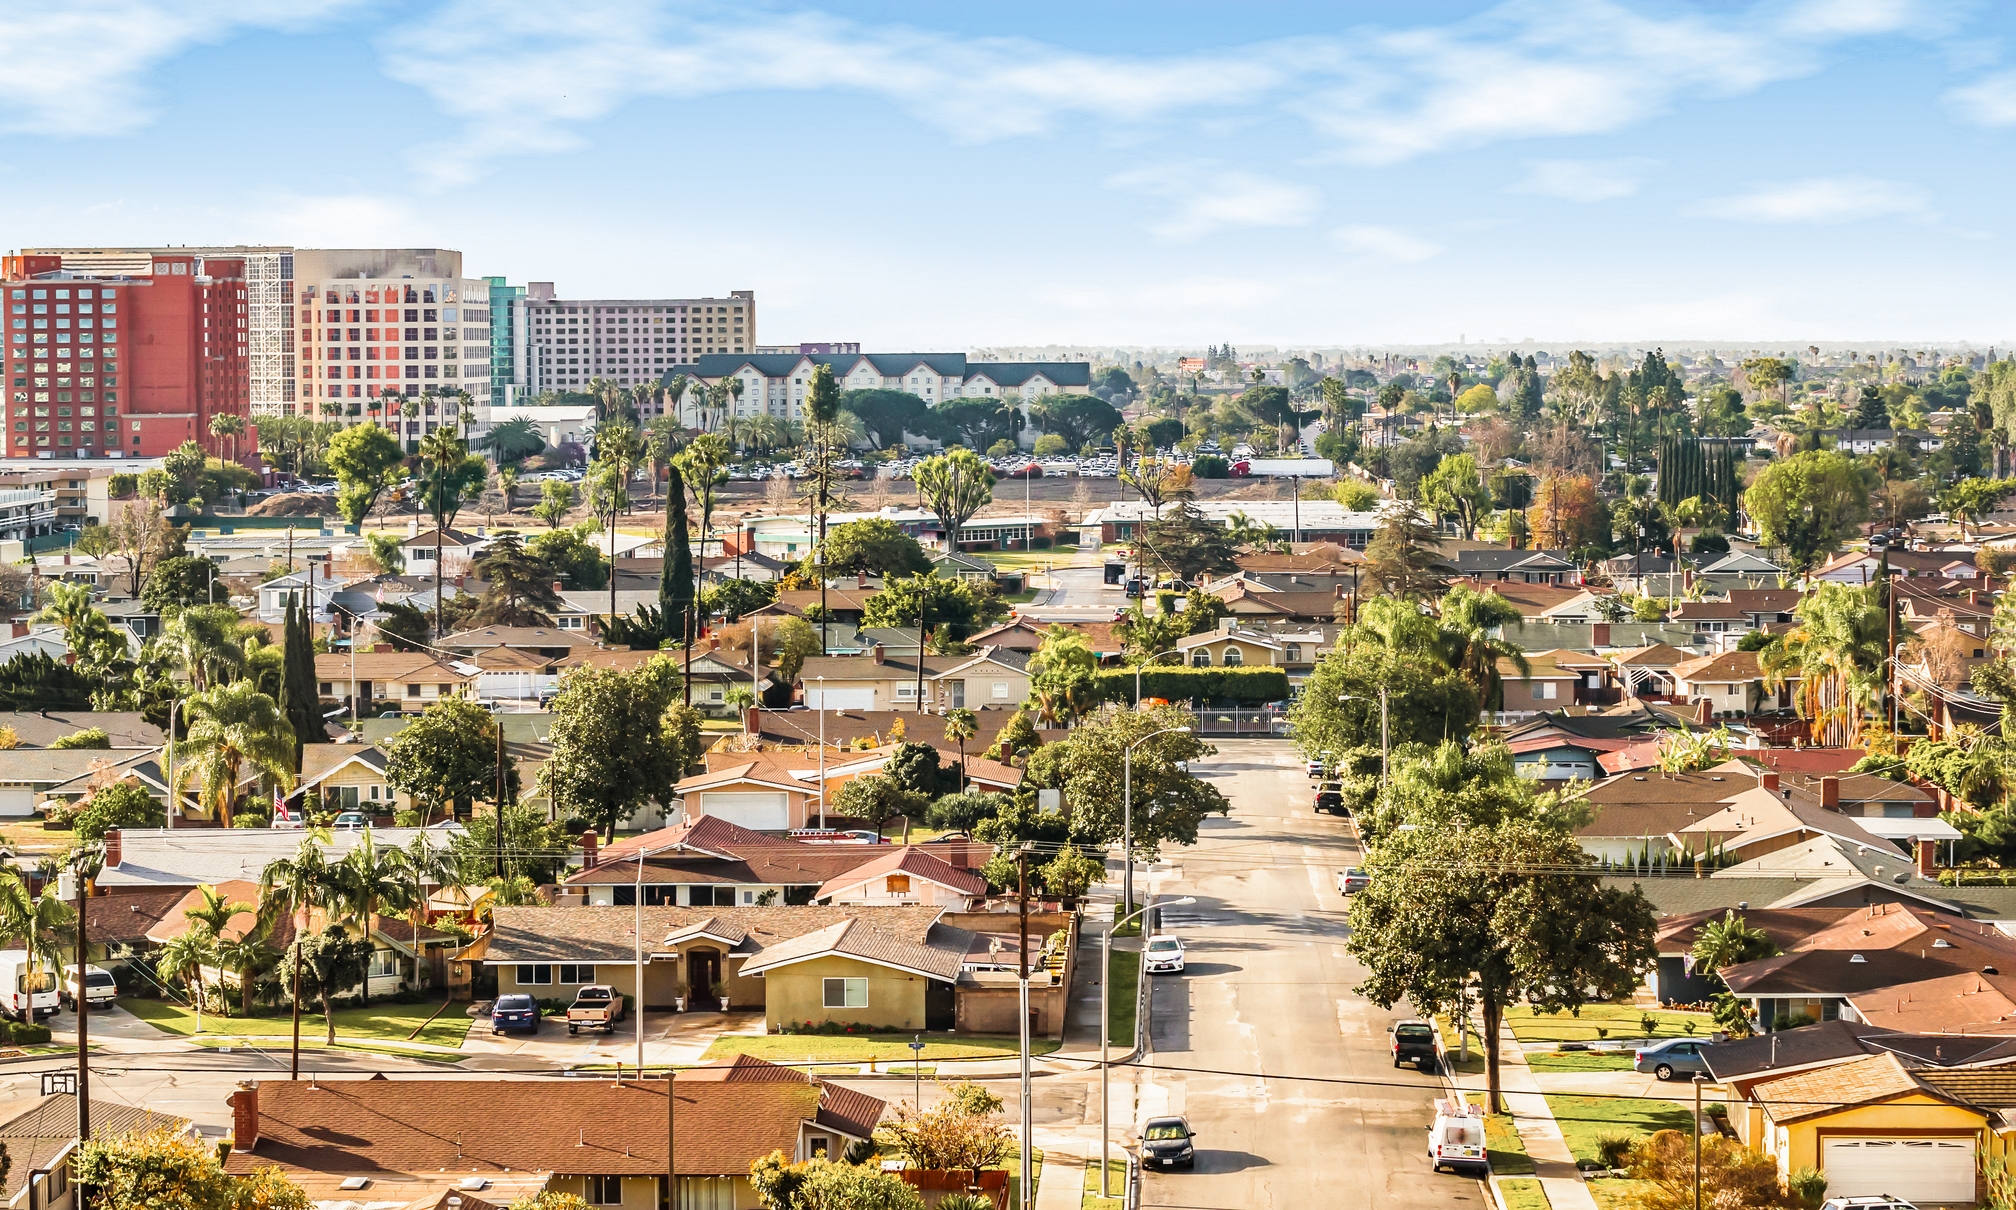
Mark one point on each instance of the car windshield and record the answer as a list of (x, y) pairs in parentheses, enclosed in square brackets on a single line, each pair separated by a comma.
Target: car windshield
[(1164, 947), (513, 1003), (1413, 1033), (1162, 1131)]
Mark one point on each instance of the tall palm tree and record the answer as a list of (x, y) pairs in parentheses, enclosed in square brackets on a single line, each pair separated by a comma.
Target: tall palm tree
[(184, 956), (1472, 623), (444, 453), (507, 482), (226, 426), (31, 921), (369, 878), (207, 642), (961, 724), (229, 727), (247, 956), (1835, 657), (427, 864), (298, 885)]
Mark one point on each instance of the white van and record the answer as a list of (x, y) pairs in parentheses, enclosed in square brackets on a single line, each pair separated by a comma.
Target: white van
[(1456, 1140), (25, 994)]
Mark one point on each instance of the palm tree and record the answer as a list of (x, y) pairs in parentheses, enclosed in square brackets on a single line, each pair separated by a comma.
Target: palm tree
[(1470, 623), (212, 912), (1835, 656), (229, 727), (227, 426), (961, 725), (369, 878), (507, 481), (247, 956), (444, 454), (1730, 942), (298, 884), (427, 864), (184, 957), (515, 439), (207, 642), (32, 921)]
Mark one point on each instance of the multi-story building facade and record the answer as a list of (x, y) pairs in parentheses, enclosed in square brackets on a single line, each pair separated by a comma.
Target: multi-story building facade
[(123, 365), (773, 384), (504, 341), (563, 344)]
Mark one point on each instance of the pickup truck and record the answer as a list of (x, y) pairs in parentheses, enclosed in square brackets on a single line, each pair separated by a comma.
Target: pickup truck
[(595, 1007), (1330, 797), (1414, 1042)]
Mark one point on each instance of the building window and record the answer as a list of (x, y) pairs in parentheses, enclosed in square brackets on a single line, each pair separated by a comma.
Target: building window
[(1201, 658), (1232, 658), (582, 973), (531, 974), (605, 1190), (412, 691), (899, 884), (1545, 692), (384, 964), (845, 993)]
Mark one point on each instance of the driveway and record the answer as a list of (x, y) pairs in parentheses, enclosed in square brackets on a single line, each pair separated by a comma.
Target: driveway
[(668, 1037)]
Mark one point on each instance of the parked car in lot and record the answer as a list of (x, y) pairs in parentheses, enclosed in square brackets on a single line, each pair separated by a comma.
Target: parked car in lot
[(1678, 1056), (1168, 1143), (514, 1012), (1414, 1042), (1164, 955), (1351, 879)]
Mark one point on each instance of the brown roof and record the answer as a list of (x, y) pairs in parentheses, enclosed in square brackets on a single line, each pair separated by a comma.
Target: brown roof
[(1709, 611), (940, 954), (851, 600), (1329, 558), (1532, 600), (603, 934), (509, 659), (907, 859), (1765, 600), (1895, 945), (1651, 803), (1965, 1002), (1656, 655), (843, 1109), (1308, 605), (45, 1125), (1785, 926), (126, 914), (775, 862), (802, 727), (517, 636), (1828, 1090), (709, 833), (586, 1127), (1991, 1087), (1733, 666), (387, 666)]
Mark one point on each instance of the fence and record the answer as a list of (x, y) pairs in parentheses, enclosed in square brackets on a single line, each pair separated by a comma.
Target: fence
[(1240, 721)]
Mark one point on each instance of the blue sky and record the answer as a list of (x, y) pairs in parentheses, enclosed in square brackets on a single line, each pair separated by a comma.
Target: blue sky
[(955, 176)]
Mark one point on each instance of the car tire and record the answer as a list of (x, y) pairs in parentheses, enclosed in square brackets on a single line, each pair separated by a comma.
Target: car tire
[(574, 1030), (1663, 1072), (1396, 1063)]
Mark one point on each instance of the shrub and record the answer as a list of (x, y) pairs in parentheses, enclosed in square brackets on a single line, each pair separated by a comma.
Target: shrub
[(123, 804), (1809, 1185), (1613, 1149), (1649, 1023), (250, 819), (1731, 1174)]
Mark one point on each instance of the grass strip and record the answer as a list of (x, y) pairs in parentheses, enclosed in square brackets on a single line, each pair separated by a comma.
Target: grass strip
[(1586, 1121), (1523, 1193), (861, 1048)]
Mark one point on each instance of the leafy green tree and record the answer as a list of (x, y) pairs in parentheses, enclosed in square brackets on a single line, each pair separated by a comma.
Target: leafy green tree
[(887, 414), (1809, 504), (964, 811), (1730, 941), (1061, 678), (1834, 657), (1454, 489), (366, 461), (1472, 625), (229, 727), (1767, 374), (571, 557), (1190, 545), (1426, 702), (511, 440), (916, 767), (517, 585), (875, 545), (1974, 498), (404, 626), (955, 485), (123, 804), (789, 644), (1401, 557), (1071, 873), (878, 798), (167, 1170), (557, 498), (1528, 932), (1169, 803), (733, 598), (1723, 415), (89, 737), (182, 581), (35, 681), (612, 750), (331, 962), (1080, 420), (953, 605), (447, 758)]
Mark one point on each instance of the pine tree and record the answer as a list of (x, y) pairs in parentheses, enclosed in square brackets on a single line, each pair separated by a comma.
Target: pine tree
[(299, 698)]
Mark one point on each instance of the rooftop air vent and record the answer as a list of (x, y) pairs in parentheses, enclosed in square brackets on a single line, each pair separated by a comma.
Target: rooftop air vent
[(355, 1182), (474, 1183), (1940, 943), (1989, 970), (1857, 958)]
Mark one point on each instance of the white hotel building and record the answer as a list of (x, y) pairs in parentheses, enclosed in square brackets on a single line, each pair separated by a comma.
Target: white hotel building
[(773, 384)]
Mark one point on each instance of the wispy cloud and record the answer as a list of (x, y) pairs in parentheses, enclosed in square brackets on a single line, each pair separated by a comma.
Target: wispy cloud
[(1583, 180), (1213, 199), (78, 68), (1990, 101), (1385, 243), (1842, 199)]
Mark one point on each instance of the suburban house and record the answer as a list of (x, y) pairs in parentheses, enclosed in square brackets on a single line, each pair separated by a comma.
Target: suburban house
[(545, 641), (40, 1139), (762, 791), (1231, 647), (1765, 606), (1562, 745), (458, 550), (408, 680), (436, 1143), (1872, 1125), (1649, 669), (990, 678), (905, 875), (1543, 686), (348, 777), (1504, 565), (1731, 684), (1711, 617), (31, 776), (710, 862)]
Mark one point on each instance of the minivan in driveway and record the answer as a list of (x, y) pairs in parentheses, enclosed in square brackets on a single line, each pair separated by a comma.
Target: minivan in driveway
[(1679, 1056)]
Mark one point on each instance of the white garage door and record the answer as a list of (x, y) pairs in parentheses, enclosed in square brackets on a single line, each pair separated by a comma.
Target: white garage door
[(1918, 1170), (839, 699), (767, 812), (17, 801)]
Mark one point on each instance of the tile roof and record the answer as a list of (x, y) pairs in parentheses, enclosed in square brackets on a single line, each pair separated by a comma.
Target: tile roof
[(940, 955), (1989, 1087), (1831, 1089), (906, 859), (1736, 666), (603, 934), (46, 1125), (588, 1127)]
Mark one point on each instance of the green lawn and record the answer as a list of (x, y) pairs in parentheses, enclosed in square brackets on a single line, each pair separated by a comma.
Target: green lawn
[(860, 1048), (1014, 1166), (1116, 1180), (1034, 560), (1580, 1060), (1617, 1194), (1474, 1065), (382, 1022), (1599, 1021), (1585, 1120), (1122, 999), (1523, 1193), (1507, 1151)]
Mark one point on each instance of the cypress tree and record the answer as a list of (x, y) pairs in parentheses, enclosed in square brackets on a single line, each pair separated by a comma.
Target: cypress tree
[(675, 588), (300, 701)]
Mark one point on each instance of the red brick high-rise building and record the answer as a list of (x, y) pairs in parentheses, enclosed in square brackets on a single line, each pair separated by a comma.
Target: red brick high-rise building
[(101, 365)]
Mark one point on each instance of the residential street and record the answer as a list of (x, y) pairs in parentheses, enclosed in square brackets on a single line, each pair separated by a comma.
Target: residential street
[(1268, 999)]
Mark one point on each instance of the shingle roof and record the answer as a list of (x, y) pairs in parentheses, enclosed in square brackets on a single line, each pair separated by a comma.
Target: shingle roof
[(192, 856), (386, 666), (1828, 1090), (906, 859), (939, 955), (1735, 666), (40, 729), (590, 1127), (1787, 1049), (127, 916), (37, 1131), (603, 934), (1895, 945)]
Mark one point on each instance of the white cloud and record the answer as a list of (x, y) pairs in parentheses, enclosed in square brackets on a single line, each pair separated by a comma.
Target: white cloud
[(77, 68), (1583, 180), (1385, 243), (1843, 199), (1213, 199), (1990, 101)]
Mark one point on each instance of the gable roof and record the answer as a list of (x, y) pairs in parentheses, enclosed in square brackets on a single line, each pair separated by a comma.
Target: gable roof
[(911, 860), (1657, 655), (572, 933), (40, 1129), (938, 956), (1828, 1090)]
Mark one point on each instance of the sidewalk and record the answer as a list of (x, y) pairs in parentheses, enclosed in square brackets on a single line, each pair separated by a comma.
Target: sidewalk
[(1553, 1163), (1062, 1185)]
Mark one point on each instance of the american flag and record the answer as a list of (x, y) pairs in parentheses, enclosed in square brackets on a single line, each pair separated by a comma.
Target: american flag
[(280, 814)]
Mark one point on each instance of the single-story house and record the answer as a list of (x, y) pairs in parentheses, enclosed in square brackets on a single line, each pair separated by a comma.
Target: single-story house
[(40, 1138), (990, 678), (1230, 647), (905, 875), (410, 680), (1871, 1126)]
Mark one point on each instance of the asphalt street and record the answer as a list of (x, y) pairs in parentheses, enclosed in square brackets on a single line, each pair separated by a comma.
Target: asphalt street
[(1283, 1071)]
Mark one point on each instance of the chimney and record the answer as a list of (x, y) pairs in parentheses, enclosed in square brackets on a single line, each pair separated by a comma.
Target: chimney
[(1340, 592), (752, 721), (1928, 862), (114, 846), (413, 527), (1973, 594), (1769, 779), (1599, 634), (20, 630), (244, 1115), (556, 588), (1830, 793), (591, 844), (860, 579), (880, 656), (66, 558)]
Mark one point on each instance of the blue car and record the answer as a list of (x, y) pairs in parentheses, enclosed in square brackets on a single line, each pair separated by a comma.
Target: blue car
[(1681, 1056), (514, 1012)]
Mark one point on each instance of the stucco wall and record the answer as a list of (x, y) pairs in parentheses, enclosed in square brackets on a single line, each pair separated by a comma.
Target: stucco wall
[(895, 998), (1796, 1145)]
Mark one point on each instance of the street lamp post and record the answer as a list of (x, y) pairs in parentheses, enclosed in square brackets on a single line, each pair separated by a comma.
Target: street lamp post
[(1127, 808), (1105, 1021)]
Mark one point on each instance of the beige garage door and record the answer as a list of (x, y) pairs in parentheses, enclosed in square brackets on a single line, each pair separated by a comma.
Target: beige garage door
[(765, 811), (1917, 1170)]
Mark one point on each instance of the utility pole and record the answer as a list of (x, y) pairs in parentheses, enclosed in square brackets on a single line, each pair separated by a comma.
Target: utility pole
[(500, 798), (1028, 1197), (1699, 1080), (671, 1123), (83, 998), (923, 598)]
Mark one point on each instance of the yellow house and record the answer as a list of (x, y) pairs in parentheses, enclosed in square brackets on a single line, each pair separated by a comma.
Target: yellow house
[(990, 678), (1872, 1126), (1227, 647), (348, 777)]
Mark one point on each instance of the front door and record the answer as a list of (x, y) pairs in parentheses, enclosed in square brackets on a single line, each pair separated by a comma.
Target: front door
[(703, 971), (957, 689)]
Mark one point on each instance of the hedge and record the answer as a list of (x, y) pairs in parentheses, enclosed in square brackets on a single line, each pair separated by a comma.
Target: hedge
[(1242, 686), (22, 1033)]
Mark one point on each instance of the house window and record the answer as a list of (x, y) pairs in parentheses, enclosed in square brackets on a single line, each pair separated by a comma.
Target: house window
[(328, 690), (384, 964), (1232, 658), (821, 1147), (412, 691), (605, 1190), (1294, 653), (571, 973), (899, 884), (845, 993), (1200, 658), (1000, 690), (532, 975), (907, 689), (1544, 691)]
